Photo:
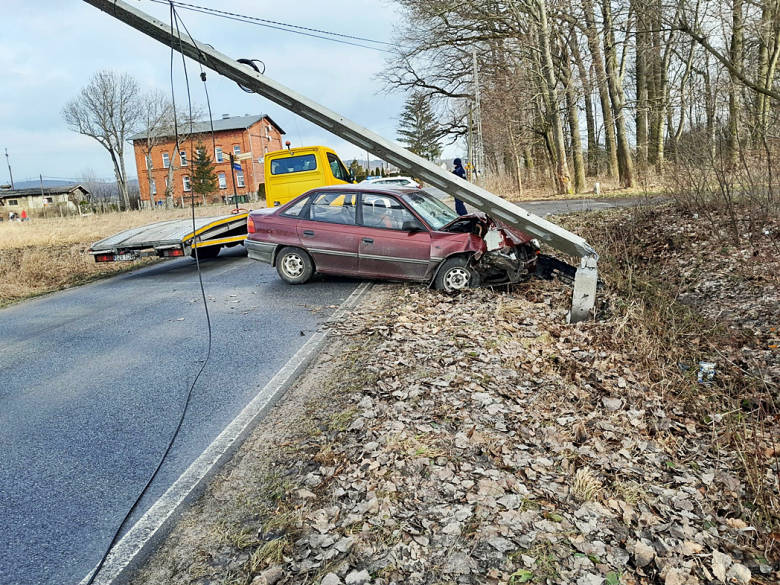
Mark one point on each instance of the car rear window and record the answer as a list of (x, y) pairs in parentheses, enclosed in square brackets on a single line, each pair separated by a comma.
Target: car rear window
[(297, 209), (294, 164)]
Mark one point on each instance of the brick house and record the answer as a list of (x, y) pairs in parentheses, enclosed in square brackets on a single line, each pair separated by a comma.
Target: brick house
[(157, 162)]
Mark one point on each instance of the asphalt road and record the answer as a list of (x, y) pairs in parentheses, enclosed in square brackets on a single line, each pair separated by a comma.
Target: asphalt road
[(92, 382)]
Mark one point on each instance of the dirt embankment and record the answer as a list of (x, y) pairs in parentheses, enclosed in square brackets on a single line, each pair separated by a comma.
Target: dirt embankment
[(480, 439)]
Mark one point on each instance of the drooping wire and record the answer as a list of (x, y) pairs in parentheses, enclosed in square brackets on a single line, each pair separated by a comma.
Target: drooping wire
[(174, 24), (291, 28)]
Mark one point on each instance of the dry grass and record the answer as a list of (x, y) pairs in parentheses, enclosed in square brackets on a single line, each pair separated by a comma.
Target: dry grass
[(45, 255), (664, 335), (506, 187)]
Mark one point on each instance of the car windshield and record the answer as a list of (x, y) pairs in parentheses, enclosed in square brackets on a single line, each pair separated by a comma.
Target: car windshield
[(433, 211)]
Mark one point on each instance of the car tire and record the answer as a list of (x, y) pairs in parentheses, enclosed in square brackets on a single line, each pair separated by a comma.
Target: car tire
[(294, 265), (456, 274), (206, 252)]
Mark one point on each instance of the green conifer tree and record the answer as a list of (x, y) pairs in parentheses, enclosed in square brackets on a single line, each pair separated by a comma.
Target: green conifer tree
[(419, 128), (204, 176)]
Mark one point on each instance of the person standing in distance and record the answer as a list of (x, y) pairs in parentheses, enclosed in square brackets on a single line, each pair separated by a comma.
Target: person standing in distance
[(460, 207)]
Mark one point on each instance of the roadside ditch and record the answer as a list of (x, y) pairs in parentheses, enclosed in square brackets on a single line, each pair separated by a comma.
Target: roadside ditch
[(478, 438)]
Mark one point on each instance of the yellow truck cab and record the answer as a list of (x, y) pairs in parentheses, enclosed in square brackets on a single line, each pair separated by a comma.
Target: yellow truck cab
[(291, 172)]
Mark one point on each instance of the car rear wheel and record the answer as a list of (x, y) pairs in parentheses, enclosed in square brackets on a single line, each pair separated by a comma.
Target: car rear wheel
[(206, 252), (294, 265), (456, 274)]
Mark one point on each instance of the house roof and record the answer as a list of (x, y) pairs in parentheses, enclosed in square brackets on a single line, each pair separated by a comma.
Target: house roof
[(32, 192), (221, 124)]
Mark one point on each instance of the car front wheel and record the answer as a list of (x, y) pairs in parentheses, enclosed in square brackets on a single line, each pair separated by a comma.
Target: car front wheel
[(294, 265), (456, 274)]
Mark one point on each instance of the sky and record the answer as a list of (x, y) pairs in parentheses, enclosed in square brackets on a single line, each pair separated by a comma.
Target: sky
[(50, 48)]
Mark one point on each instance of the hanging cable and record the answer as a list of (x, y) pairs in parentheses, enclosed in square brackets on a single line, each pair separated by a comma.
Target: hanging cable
[(174, 24), (291, 28)]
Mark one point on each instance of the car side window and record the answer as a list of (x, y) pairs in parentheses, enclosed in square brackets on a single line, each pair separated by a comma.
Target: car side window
[(383, 211), (334, 207), (298, 210)]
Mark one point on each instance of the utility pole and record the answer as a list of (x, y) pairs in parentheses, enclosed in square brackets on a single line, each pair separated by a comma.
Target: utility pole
[(470, 166), (479, 155), (8, 160)]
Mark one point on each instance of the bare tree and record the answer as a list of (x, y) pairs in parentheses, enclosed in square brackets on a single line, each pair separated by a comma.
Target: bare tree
[(108, 110), (157, 119)]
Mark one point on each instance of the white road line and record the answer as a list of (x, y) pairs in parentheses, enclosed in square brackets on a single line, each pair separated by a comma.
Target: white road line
[(130, 552)]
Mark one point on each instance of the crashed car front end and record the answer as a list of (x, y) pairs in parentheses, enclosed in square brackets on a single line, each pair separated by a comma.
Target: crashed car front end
[(498, 254)]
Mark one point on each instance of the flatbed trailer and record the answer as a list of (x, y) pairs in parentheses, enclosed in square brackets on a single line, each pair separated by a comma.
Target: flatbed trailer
[(173, 238)]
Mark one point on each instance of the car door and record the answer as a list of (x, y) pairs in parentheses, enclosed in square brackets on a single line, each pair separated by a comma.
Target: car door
[(329, 233), (388, 248)]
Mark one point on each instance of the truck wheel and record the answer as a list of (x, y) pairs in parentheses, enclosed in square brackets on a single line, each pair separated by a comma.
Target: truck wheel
[(207, 252), (294, 265), (456, 274)]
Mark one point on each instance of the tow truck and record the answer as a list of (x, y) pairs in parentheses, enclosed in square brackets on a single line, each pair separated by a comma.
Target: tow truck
[(174, 238)]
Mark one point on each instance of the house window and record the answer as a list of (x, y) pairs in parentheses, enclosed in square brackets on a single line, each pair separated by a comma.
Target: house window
[(166, 160), (48, 200), (236, 150), (154, 188), (183, 156), (240, 178), (186, 181), (13, 202), (218, 156), (222, 181)]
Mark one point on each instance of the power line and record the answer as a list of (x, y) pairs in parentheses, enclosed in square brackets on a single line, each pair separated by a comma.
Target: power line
[(292, 28), (175, 20)]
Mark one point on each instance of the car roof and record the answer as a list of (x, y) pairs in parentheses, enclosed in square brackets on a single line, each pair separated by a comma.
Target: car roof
[(363, 187)]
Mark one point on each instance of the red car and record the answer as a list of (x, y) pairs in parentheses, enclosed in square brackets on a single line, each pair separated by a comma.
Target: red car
[(378, 233)]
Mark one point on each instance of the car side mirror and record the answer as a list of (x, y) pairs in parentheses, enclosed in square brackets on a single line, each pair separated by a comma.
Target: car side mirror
[(411, 225), (351, 176)]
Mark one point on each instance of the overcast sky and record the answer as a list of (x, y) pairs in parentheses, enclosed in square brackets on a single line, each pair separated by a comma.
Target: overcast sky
[(50, 48)]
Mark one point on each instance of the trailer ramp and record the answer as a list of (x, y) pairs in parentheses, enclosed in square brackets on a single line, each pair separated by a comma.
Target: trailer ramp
[(171, 238), (509, 213)]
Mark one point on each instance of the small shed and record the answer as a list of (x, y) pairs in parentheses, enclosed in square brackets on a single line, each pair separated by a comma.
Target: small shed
[(35, 200)]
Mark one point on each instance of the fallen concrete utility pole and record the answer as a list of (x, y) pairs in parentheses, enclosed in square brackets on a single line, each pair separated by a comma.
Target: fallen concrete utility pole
[(586, 278)]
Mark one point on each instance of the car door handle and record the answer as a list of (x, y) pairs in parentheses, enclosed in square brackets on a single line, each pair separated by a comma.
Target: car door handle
[(368, 241), (309, 233)]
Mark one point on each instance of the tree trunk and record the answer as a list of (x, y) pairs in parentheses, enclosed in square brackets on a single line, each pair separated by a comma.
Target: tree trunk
[(625, 163), (736, 54), (574, 122), (562, 178), (587, 91), (518, 163), (150, 178), (769, 50), (642, 27), (675, 139), (124, 199), (601, 82)]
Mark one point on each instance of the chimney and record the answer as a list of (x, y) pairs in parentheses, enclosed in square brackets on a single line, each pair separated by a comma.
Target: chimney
[(225, 116)]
